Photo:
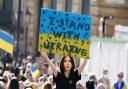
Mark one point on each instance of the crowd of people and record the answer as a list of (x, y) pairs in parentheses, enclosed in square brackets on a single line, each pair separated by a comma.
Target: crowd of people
[(51, 74)]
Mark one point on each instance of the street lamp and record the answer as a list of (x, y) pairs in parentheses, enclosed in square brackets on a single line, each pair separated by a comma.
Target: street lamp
[(27, 21), (103, 24), (18, 29)]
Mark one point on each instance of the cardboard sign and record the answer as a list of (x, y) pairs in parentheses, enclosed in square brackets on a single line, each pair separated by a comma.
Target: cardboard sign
[(64, 33)]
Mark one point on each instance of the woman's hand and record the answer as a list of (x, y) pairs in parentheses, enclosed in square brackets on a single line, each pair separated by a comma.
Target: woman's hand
[(44, 54), (85, 61)]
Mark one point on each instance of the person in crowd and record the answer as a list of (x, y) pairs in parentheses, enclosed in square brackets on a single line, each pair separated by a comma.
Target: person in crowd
[(16, 72), (28, 76), (50, 79), (2, 85), (21, 85), (45, 69), (29, 66), (23, 65), (5, 80), (1, 57), (1, 69), (41, 81), (104, 79), (28, 87), (14, 83), (79, 85), (33, 85), (42, 66), (67, 77), (101, 86), (120, 84), (29, 58), (47, 85), (92, 82), (7, 59)]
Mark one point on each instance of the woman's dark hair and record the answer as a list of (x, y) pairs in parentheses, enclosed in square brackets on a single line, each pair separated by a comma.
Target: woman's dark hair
[(72, 68), (14, 84), (62, 64)]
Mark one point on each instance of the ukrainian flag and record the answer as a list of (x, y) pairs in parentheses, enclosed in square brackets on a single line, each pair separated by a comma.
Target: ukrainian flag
[(35, 71), (6, 42)]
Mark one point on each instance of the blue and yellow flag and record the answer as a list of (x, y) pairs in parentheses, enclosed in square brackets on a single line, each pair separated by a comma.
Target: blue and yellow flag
[(35, 71), (6, 42)]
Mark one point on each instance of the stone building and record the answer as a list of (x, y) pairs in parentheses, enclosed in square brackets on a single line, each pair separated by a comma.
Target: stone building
[(116, 8), (29, 17)]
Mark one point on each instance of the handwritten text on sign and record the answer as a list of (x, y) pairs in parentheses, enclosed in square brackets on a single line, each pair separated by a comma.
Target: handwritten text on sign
[(65, 33)]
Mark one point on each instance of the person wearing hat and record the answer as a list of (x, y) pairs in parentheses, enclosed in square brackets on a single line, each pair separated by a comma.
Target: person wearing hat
[(104, 79), (120, 84), (92, 82)]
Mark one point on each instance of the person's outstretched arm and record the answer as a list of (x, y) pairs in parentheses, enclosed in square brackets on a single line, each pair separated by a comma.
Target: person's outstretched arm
[(53, 67), (82, 65)]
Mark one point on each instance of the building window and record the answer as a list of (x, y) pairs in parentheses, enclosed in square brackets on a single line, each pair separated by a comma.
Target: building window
[(115, 1), (92, 1), (68, 5), (61, 5), (53, 4), (85, 6), (46, 3), (1, 4), (76, 6)]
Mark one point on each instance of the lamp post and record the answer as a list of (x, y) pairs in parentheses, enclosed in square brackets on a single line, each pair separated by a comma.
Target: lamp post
[(102, 20), (40, 5), (18, 30), (27, 20)]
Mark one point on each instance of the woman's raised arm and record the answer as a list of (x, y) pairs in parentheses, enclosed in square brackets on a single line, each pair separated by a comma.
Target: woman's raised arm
[(82, 65), (53, 67)]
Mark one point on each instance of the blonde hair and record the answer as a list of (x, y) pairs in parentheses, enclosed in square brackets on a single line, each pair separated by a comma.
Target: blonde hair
[(47, 85)]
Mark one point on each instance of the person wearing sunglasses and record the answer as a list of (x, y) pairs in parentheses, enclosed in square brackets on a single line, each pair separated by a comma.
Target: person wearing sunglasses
[(120, 84)]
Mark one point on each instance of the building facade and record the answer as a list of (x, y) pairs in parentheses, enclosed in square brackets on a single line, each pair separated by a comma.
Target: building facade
[(116, 8), (30, 13)]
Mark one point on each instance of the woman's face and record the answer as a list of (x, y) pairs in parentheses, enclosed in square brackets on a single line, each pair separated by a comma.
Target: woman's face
[(67, 64)]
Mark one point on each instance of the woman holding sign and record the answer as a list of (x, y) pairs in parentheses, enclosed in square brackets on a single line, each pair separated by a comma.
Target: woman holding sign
[(67, 77)]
